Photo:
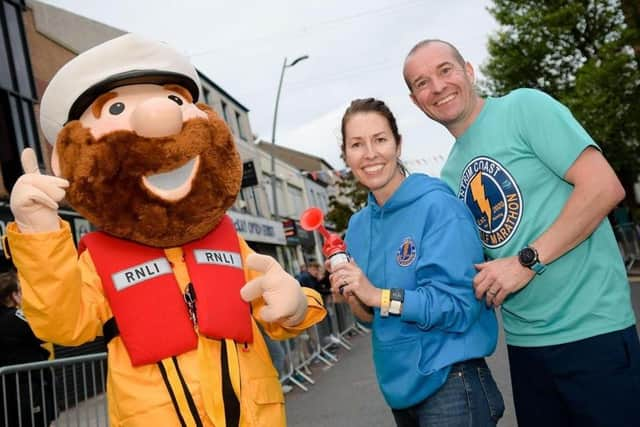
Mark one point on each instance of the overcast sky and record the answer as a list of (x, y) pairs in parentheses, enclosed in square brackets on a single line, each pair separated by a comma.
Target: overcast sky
[(356, 49)]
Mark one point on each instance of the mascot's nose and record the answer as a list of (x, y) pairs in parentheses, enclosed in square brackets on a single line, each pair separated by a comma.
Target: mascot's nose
[(156, 118)]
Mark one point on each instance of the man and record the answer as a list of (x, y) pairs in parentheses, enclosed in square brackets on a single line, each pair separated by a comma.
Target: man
[(540, 190)]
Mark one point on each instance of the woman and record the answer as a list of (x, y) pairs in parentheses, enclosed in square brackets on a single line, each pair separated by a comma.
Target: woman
[(414, 246), (19, 345)]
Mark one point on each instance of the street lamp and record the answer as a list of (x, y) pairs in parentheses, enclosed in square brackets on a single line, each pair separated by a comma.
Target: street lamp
[(273, 132)]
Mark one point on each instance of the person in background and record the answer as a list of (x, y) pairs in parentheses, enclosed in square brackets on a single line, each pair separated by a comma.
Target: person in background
[(329, 328), (19, 345), (540, 190), (310, 276), (413, 248)]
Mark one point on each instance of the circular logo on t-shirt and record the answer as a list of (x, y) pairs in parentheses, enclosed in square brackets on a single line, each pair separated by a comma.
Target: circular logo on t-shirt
[(494, 198), (406, 253)]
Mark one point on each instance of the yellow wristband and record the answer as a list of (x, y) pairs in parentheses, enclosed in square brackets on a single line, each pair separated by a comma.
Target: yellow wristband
[(385, 302)]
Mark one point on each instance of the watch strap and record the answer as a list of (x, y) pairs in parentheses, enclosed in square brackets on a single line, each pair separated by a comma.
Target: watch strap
[(539, 267), (397, 298)]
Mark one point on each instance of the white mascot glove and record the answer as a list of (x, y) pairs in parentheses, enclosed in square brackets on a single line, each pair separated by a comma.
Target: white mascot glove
[(35, 197), (285, 301)]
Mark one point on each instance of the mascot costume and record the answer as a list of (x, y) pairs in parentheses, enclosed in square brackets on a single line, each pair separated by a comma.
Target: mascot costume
[(168, 282)]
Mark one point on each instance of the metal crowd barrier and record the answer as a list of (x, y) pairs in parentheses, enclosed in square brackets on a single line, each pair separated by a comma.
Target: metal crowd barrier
[(61, 392), (627, 237), (319, 343), (71, 391)]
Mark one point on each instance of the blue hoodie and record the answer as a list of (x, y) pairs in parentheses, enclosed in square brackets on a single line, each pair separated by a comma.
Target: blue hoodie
[(423, 239)]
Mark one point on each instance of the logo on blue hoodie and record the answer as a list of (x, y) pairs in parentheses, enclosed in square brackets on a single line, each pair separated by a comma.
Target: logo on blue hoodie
[(406, 253), (494, 198)]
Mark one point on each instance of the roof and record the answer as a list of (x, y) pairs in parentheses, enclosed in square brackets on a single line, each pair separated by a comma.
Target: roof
[(299, 160), (222, 91)]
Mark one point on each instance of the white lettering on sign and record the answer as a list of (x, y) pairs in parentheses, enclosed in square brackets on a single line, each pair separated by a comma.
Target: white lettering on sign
[(240, 225), (208, 256), (255, 229), (139, 273)]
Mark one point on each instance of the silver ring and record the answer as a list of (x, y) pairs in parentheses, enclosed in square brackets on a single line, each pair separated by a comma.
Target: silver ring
[(493, 294)]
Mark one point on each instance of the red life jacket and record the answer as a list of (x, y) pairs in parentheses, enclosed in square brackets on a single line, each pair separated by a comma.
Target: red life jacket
[(149, 308)]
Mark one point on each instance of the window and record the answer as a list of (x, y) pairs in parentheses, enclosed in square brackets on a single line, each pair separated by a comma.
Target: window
[(297, 201), (5, 71), (324, 202), (9, 153), (250, 203), (279, 194), (206, 93), (282, 207), (313, 199), (224, 111), (318, 198), (18, 50), (17, 93), (239, 124), (254, 198)]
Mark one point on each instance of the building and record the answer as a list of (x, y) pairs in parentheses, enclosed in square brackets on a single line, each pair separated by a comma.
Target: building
[(314, 185), (42, 38), (251, 212)]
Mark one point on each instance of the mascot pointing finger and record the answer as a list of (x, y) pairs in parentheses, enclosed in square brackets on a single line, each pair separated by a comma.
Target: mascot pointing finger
[(168, 282)]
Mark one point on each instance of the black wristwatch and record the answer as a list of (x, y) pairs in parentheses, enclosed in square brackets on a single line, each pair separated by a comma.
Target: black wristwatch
[(397, 298), (528, 257)]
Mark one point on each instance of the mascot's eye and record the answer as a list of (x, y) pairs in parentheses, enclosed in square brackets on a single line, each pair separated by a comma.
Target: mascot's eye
[(116, 108), (175, 99)]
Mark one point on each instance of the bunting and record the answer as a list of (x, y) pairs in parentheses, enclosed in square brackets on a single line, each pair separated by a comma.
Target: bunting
[(329, 176)]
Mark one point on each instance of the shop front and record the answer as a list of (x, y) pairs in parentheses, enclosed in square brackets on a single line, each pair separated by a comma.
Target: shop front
[(266, 237)]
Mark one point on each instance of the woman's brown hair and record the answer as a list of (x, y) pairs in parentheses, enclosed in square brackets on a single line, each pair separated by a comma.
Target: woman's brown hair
[(371, 105)]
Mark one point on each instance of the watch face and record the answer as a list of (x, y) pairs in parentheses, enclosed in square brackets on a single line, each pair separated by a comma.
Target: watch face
[(527, 257)]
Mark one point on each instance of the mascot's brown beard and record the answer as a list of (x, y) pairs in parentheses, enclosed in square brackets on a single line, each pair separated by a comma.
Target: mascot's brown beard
[(106, 187)]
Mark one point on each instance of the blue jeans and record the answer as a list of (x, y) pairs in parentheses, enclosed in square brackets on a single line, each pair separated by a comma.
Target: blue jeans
[(469, 397)]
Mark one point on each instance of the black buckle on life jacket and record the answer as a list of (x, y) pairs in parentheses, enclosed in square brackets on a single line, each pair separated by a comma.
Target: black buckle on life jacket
[(110, 330), (190, 300)]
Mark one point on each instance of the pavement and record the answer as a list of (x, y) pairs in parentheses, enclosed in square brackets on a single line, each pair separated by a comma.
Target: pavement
[(347, 395)]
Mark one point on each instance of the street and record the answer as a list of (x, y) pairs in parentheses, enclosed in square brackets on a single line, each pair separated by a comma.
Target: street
[(347, 394)]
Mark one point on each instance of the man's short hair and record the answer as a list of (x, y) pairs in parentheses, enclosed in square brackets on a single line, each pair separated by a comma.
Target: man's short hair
[(423, 43)]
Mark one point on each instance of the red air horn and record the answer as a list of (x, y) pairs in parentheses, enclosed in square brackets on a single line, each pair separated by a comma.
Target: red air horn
[(333, 248)]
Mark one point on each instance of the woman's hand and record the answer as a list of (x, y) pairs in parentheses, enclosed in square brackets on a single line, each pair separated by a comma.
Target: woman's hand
[(348, 279)]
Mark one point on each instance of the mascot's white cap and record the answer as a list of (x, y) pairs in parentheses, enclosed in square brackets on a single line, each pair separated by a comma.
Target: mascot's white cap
[(125, 60)]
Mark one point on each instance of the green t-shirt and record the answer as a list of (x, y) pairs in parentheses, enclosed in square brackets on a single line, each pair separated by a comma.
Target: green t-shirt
[(508, 167)]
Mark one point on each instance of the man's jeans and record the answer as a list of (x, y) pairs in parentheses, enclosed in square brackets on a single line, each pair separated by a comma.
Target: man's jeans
[(469, 397)]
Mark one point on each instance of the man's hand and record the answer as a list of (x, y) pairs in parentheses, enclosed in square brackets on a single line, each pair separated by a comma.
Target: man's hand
[(285, 301), (500, 278), (35, 197)]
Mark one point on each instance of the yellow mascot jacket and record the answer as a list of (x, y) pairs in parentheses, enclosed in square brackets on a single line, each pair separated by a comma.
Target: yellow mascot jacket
[(64, 301)]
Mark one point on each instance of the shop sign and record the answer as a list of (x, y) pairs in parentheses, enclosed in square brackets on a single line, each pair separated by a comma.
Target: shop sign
[(256, 229)]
